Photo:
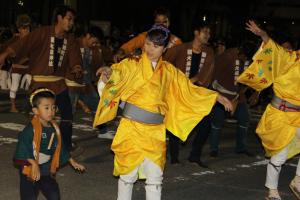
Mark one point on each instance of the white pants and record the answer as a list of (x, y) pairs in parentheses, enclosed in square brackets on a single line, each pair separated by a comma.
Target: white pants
[(4, 75), (15, 82), (274, 166), (153, 182), (25, 82)]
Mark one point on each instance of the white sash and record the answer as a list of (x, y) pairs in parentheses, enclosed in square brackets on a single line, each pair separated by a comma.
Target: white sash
[(237, 69), (189, 62), (61, 52)]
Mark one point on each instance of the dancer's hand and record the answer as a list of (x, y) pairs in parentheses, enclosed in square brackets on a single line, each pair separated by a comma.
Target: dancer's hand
[(105, 73), (225, 102), (35, 173), (253, 27), (77, 71)]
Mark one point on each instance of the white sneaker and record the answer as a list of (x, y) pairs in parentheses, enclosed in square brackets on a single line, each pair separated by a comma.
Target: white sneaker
[(107, 135)]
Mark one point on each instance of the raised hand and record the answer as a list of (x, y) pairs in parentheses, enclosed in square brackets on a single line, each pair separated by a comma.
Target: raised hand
[(105, 73), (253, 27)]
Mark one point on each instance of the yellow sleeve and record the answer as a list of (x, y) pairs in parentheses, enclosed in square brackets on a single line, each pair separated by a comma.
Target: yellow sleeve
[(187, 105), (111, 94), (269, 62), (134, 43)]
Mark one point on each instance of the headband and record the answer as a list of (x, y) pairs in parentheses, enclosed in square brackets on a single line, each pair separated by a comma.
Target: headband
[(38, 91), (162, 28)]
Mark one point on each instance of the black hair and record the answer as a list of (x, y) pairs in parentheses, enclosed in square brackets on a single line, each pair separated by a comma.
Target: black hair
[(43, 94), (198, 26), (159, 35), (161, 11), (62, 11), (96, 32)]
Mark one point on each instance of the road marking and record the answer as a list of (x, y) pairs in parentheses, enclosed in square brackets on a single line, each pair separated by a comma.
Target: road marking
[(12, 126), (20, 127), (4, 140)]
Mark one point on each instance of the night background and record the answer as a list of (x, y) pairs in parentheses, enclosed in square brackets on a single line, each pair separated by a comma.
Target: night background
[(124, 18)]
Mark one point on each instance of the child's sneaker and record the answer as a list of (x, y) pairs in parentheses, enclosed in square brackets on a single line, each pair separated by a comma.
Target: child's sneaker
[(293, 186), (273, 195), (273, 198)]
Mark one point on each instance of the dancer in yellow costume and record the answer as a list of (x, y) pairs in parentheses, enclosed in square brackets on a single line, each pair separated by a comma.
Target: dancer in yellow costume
[(157, 97), (279, 126)]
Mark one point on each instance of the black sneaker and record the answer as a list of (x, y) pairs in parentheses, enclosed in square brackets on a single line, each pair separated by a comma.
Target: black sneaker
[(175, 162), (199, 163), (214, 154), (247, 153)]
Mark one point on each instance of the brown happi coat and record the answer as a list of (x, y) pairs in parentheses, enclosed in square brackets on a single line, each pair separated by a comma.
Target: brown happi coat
[(97, 62), (225, 73), (180, 55), (36, 45)]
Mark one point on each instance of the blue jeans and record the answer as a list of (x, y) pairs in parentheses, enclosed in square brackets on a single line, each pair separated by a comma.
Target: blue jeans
[(91, 99), (64, 105), (218, 117)]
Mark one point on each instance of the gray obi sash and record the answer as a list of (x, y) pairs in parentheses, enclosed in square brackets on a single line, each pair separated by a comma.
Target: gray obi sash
[(284, 105), (137, 114)]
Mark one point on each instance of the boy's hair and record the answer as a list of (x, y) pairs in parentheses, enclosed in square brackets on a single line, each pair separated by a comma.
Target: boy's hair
[(40, 93), (23, 21), (201, 25), (159, 35), (62, 11), (95, 31), (161, 11)]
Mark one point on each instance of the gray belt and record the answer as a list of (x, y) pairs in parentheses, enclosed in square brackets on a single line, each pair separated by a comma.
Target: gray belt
[(137, 114), (283, 105)]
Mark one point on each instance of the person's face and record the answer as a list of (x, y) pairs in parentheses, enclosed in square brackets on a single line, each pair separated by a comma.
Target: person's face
[(162, 19), (24, 30), (152, 50), (287, 45), (202, 35), (45, 110), (66, 22), (91, 40), (220, 48)]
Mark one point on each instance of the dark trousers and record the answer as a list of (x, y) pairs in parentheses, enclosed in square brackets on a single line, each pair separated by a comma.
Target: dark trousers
[(173, 146), (202, 132), (30, 190), (64, 105), (218, 116)]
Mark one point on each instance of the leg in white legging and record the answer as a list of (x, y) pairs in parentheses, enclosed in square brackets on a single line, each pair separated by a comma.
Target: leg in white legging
[(125, 185), (3, 80), (15, 82)]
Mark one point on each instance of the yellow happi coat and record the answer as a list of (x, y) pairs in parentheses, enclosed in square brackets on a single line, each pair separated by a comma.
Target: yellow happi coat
[(164, 90), (275, 65)]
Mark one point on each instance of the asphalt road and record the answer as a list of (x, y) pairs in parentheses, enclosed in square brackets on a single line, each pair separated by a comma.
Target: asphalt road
[(230, 176)]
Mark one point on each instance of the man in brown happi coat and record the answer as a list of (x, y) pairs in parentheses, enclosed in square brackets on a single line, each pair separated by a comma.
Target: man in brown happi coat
[(52, 51), (196, 60), (228, 66)]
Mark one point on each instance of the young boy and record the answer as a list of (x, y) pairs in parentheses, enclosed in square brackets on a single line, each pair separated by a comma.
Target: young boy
[(40, 150), (156, 97)]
